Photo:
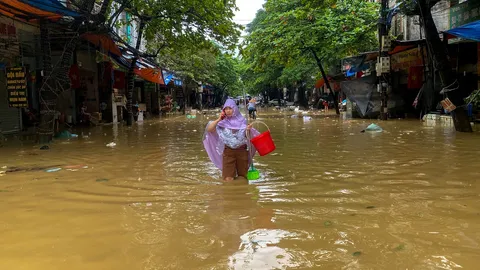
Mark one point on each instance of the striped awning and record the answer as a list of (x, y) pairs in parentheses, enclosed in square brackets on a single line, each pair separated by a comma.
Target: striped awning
[(32, 10)]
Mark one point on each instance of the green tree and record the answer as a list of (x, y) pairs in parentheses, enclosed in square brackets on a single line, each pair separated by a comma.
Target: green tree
[(227, 75), (176, 24), (298, 34)]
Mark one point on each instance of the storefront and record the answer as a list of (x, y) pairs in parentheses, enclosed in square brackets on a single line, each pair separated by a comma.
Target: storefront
[(464, 22), (10, 111)]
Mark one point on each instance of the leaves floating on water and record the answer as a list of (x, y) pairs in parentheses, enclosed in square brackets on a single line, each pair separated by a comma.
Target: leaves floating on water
[(102, 180), (357, 253), (327, 223), (370, 207), (400, 247)]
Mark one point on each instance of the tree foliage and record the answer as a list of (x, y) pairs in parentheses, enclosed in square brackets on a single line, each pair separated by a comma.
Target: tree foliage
[(278, 49), (181, 28), (227, 74), (169, 23), (190, 62)]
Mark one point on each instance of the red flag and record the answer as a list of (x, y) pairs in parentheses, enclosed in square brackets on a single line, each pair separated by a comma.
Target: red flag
[(415, 77), (74, 75), (119, 79)]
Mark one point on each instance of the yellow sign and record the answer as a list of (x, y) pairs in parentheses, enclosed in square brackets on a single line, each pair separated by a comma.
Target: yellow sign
[(406, 59), (17, 87)]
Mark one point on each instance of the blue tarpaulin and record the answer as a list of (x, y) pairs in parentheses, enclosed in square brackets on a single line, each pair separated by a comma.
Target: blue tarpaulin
[(167, 77), (53, 6), (467, 31)]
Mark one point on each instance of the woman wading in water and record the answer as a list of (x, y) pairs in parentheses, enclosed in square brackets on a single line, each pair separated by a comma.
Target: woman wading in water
[(226, 142)]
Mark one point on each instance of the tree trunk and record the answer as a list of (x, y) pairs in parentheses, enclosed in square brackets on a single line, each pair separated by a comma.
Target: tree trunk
[(333, 94), (280, 97), (131, 75), (130, 86), (302, 98), (442, 64)]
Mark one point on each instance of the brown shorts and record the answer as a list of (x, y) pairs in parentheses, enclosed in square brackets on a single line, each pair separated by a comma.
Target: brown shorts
[(235, 162)]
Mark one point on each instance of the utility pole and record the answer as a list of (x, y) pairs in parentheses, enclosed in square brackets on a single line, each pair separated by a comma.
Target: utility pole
[(383, 60)]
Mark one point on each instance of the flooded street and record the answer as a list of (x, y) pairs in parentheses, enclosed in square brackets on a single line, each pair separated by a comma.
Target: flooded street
[(330, 197)]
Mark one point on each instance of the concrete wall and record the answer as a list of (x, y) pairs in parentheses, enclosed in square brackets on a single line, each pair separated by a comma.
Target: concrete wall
[(408, 28)]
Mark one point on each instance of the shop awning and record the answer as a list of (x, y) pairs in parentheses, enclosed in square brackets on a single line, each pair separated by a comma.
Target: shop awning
[(53, 6), (168, 76), (151, 74), (145, 69), (20, 10), (469, 31), (103, 42)]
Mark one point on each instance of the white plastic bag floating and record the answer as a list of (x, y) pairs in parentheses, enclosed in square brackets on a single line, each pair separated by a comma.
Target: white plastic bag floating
[(112, 144)]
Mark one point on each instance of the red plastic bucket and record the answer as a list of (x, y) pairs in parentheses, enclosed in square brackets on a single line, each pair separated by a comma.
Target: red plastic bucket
[(264, 143)]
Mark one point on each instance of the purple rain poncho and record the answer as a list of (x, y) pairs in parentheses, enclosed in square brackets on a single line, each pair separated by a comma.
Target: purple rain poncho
[(214, 146)]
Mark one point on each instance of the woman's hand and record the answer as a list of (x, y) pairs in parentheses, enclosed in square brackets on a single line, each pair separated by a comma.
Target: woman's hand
[(222, 116), (249, 127)]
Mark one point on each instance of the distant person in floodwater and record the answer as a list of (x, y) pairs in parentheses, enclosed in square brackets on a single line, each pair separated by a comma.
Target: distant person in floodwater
[(226, 142), (251, 108)]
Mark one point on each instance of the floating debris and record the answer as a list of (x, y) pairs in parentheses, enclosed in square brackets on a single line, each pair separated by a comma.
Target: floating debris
[(400, 247), (373, 128), (112, 144), (370, 207), (357, 253), (327, 223), (102, 180), (45, 147), (73, 166), (53, 170)]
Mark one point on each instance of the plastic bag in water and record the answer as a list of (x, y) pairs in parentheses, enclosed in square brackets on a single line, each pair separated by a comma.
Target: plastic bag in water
[(374, 128)]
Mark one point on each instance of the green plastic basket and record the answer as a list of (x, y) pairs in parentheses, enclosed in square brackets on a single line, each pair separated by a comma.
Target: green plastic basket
[(253, 174)]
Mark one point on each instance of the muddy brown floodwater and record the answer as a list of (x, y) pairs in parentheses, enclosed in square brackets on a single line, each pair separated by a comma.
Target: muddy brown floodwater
[(330, 197)]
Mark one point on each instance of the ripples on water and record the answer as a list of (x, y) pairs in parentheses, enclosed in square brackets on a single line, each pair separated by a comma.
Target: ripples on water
[(330, 197)]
